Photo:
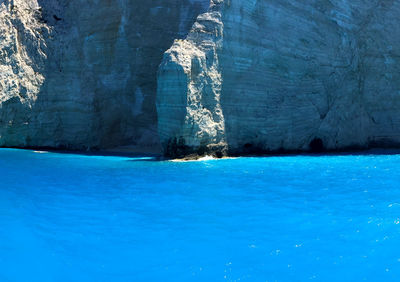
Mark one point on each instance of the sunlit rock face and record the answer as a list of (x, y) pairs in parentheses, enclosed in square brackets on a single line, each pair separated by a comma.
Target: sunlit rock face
[(22, 64), (189, 90), (200, 76), (82, 74), (291, 73)]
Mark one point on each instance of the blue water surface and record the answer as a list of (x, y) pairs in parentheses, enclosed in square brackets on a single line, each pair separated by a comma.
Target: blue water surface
[(295, 218)]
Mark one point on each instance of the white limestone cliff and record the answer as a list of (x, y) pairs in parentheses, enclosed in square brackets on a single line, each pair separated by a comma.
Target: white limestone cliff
[(189, 90), (296, 74), (248, 76), (81, 74), (22, 59)]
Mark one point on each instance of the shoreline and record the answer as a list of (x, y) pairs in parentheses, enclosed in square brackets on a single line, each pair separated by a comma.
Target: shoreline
[(135, 152), (114, 152)]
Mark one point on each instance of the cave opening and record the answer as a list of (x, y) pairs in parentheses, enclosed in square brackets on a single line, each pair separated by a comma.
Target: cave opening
[(316, 145)]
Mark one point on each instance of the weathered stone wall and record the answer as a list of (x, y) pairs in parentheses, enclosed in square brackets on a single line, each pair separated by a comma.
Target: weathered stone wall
[(189, 90), (246, 76), (82, 73), (298, 72)]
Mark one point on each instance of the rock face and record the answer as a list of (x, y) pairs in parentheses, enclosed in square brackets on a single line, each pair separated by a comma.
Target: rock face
[(189, 90), (284, 75), (245, 76), (82, 74), (22, 61)]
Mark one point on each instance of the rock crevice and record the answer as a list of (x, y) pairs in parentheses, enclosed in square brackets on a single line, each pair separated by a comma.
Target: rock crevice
[(199, 76), (81, 74), (293, 72)]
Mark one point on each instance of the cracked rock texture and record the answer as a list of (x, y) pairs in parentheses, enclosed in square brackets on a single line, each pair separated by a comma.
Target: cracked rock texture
[(284, 74), (200, 76), (189, 90), (81, 74)]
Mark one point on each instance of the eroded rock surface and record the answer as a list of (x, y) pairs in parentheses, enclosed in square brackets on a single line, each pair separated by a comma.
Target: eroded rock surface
[(294, 73), (82, 74), (240, 77), (22, 64), (189, 90)]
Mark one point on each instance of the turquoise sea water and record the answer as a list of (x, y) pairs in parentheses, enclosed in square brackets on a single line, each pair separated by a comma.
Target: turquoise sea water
[(296, 218)]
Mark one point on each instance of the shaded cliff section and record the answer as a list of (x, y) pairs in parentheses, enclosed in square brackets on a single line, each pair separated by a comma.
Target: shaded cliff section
[(241, 77), (81, 74), (293, 75)]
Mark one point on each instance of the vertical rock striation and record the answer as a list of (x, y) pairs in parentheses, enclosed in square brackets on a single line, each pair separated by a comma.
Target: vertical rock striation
[(244, 77), (189, 90), (296, 75), (22, 62), (81, 73), (312, 70)]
